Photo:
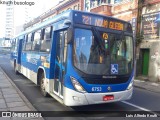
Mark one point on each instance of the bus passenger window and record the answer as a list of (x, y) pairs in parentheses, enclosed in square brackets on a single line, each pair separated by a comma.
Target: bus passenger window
[(14, 45), (58, 45), (46, 42), (24, 43), (36, 42), (29, 42), (65, 47)]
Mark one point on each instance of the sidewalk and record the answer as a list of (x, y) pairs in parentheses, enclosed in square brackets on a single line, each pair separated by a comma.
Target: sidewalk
[(12, 99), (150, 86)]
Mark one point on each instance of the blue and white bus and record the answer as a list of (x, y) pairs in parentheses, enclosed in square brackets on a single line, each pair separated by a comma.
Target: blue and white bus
[(78, 58)]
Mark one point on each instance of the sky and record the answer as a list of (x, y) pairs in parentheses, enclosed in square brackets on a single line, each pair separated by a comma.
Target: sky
[(37, 8), (42, 6), (2, 20)]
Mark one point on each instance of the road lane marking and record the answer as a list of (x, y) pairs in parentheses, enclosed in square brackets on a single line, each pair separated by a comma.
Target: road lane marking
[(141, 108), (136, 106)]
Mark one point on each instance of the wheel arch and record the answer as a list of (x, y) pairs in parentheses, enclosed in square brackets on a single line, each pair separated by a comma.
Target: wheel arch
[(40, 70)]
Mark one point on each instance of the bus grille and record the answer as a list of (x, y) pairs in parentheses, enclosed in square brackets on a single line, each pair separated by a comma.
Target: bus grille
[(117, 80)]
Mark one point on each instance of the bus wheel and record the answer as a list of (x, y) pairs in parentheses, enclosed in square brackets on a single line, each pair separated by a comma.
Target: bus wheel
[(42, 85), (15, 68)]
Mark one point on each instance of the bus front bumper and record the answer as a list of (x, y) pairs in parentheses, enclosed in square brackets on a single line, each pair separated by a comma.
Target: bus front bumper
[(74, 98)]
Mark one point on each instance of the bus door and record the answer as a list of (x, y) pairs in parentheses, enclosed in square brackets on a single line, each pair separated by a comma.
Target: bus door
[(19, 52), (60, 62)]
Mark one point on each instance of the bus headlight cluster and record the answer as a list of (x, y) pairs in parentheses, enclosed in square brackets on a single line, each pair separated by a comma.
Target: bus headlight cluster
[(77, 85)]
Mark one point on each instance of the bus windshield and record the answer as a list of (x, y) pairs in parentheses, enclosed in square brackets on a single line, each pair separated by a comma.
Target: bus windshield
[(90, 57)]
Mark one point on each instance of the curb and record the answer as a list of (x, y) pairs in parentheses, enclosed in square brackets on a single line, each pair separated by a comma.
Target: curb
[(19, 92), (146, 89), (147, 86)]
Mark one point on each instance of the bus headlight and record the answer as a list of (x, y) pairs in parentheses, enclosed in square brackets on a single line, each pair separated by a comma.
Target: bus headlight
[(130, 85), (77, 85)]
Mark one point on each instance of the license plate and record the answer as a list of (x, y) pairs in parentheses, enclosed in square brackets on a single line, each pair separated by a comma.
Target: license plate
[(108, 97)]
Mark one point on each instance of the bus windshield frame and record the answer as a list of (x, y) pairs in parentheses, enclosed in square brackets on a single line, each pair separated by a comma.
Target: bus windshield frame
[(89, 56)]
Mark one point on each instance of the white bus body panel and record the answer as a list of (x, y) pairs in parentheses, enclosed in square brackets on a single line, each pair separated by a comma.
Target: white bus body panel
[(74, 98)]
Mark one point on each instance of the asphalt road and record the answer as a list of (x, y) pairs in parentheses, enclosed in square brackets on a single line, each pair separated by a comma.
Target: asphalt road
[(141, 101)]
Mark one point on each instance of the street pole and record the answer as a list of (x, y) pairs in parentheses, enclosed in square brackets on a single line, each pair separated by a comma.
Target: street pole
[(139, 37)]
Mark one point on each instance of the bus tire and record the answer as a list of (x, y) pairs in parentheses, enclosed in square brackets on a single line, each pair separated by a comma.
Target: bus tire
[(15, 68), (42, 85)]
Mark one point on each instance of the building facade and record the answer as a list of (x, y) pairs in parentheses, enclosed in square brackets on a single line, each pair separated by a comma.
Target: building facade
[(113, 8), (18, 23), (121, 9), (59, 8), (14, 24), (149, 51), (9, 22)]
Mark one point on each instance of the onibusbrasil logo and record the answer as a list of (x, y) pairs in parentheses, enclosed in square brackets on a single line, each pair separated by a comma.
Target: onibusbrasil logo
[(13, 2)]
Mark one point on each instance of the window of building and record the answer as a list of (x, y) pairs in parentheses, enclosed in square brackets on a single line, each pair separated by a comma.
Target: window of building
[(106, 1), (75, 7), (87, 6), (118, 1), (94, 3)]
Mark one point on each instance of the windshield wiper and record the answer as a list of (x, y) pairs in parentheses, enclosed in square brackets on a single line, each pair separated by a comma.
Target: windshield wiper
[(99, 40)]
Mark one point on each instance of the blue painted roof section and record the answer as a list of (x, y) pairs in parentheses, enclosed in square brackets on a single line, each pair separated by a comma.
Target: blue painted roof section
[(65, 15)]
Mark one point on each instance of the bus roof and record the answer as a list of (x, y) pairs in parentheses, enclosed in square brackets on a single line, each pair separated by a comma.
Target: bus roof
[(68, 15)]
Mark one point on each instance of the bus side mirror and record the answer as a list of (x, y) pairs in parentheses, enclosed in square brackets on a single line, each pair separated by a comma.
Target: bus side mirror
[(69, 35)]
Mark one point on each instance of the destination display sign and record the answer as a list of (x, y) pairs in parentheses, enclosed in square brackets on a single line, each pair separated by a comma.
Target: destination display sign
[(99, 21)]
